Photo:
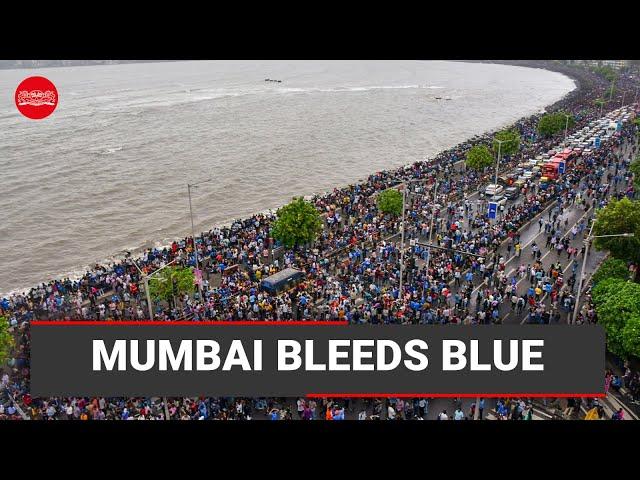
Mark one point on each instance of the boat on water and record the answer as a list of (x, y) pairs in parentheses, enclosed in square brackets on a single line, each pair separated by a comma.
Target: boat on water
[(271, 80)]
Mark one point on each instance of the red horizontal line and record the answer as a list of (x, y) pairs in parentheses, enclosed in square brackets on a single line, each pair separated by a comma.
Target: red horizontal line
[(455, 395), (182, 322)]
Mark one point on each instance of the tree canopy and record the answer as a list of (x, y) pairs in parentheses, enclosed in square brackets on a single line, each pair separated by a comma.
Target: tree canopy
[(479, 157), (619, 216), (172, 282), (6, 341), (618, 308), (390, 201), (510, 142), (635, 169), (552, 123), (298, 223), (611, 268), (607, 72)]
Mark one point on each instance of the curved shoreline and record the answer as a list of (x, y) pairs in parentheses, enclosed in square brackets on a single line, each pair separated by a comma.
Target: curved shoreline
[(111, 261)]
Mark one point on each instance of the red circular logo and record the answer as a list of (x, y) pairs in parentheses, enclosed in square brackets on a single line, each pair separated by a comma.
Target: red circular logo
[(36, 97)]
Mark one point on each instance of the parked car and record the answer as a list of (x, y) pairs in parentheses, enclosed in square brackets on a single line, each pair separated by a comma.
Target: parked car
[(493, 189), (512, 193)]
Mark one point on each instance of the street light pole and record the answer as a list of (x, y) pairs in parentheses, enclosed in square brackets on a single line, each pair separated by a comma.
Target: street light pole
[(193, 234), (145, 279), (404, 189), (584, 264), (611, 93), (404, 196), (435, 196), (500, 142), (588, 241), (566, 126)]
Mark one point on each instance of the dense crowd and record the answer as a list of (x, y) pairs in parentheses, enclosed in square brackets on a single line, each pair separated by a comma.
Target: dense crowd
[(352, 270)]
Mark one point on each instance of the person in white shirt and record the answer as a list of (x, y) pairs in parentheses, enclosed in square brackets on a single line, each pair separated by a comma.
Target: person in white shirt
[(458, 415), (443, 415), (391, 413)]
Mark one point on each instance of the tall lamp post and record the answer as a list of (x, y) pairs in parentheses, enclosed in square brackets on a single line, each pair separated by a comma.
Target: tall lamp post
[(500, 142), (566, 126), (145, 279), (193, 232), (404, 199), (587, 242), (405, 184), (613, 83), (435, 196)]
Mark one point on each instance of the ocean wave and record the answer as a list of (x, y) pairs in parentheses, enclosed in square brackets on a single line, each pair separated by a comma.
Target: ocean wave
[(106, 150), (348, 89)]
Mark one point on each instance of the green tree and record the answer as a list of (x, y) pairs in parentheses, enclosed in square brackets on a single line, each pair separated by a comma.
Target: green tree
[(607, 72), (171, 283), (634, 168), (611, 268), (619, 216), (6, 341), (479, 158), (390, 201), (631, 335), (548, 125), (604, 289), (510, 142), (552, 123), (298, 223), (617, 303)]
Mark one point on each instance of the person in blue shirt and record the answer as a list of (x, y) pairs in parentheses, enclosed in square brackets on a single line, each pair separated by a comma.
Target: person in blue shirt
[(202, 408)]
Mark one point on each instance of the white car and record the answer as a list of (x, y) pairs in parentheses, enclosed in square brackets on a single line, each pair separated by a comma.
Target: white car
[(527, 174), (493, 189)]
